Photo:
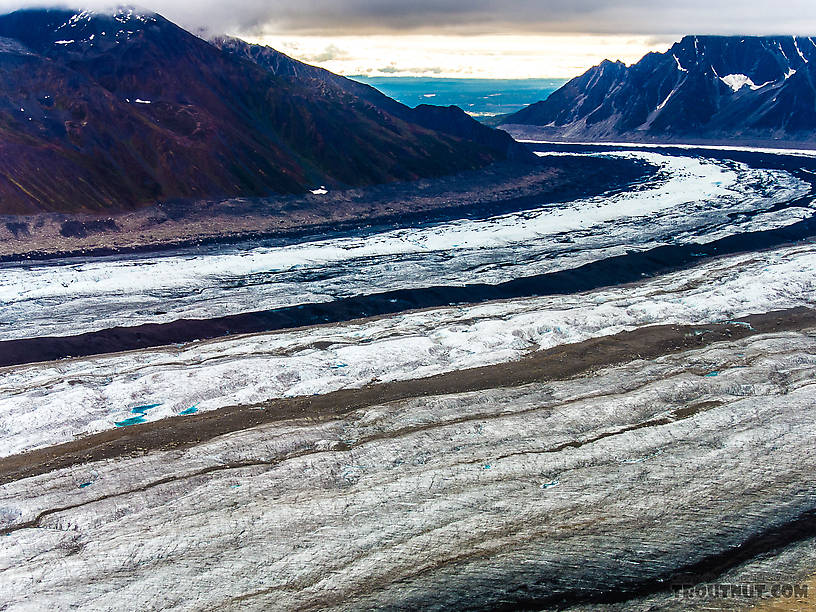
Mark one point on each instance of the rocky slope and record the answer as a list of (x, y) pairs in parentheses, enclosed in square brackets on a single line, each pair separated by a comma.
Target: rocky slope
[(450, 120), (704, 87), (101, 112)]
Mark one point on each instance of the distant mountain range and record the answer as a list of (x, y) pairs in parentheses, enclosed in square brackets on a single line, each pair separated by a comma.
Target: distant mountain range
[(704, 87), (107, 111)]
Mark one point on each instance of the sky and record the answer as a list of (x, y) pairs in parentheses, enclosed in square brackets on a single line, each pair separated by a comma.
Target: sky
[(473, 38)]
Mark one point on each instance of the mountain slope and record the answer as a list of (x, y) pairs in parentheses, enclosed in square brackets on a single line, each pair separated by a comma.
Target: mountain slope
[(711, 87), (450, 120), (102, 112)]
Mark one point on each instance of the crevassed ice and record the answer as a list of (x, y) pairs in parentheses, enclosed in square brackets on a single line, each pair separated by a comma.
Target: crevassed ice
[(692, 200), (39, 408)]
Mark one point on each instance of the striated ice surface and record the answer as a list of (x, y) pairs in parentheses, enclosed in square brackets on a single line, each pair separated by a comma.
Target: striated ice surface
[(563, 488), (692, 200), (45, 404), (555, 491), (644, 145)]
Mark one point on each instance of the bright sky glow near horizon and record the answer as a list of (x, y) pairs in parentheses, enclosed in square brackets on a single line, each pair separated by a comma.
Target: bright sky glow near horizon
[(469, 38), (503, 56)]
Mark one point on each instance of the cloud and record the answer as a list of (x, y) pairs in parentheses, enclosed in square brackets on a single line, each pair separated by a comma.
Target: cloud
[(485, 56), (331, 52), (393, 69), (337, 17)]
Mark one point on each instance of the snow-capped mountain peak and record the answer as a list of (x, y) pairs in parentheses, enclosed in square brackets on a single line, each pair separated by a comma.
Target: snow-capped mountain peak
[(702, 87)]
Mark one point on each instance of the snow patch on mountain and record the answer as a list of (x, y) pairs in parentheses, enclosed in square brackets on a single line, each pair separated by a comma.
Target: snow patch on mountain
[(799, 51), (738, 81)]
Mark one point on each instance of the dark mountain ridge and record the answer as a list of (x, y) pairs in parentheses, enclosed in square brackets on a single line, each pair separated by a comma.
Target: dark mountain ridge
[(704, 87), (448, 119), (105, 112)]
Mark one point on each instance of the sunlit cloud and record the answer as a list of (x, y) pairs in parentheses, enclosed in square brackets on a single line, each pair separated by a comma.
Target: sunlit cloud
[(477, 38), (486, 56)]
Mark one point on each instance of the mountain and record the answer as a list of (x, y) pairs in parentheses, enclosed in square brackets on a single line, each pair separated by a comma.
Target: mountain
[(109, 111), (704, 87), (450, 119)]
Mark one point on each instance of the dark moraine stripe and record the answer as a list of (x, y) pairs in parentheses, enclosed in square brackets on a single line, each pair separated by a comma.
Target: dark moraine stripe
[(555, 363), (613, 271), (522, 587), (528, 591), (618, 270)]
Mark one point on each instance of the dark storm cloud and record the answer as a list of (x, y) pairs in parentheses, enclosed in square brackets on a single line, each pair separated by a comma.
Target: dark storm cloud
[(485, 16)]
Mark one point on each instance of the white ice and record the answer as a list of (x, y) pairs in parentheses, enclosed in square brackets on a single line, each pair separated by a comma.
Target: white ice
[(680, 146), (366, 510), (46, 404), (691, 201)]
